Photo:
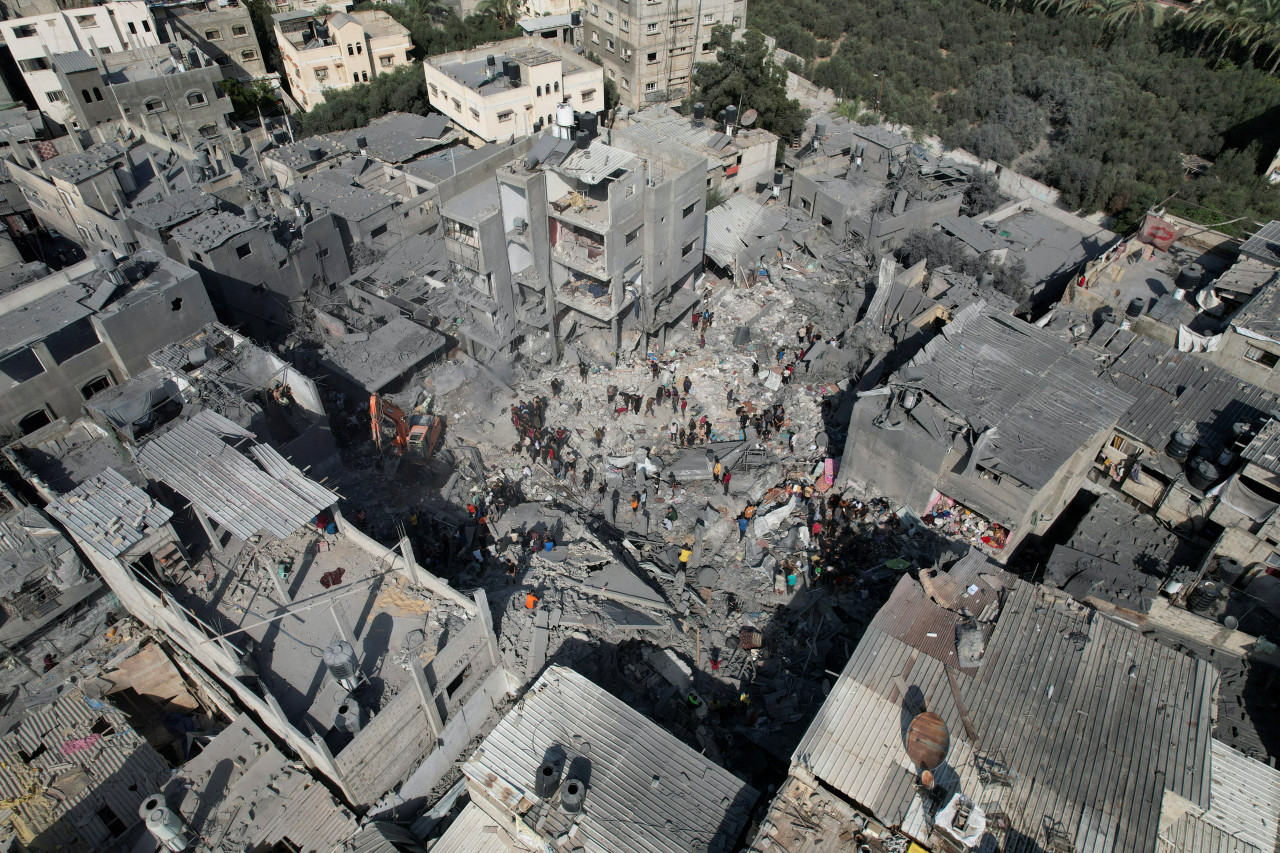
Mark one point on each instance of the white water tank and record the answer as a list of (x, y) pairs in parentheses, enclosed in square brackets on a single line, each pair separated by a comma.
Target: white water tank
[(164, 824), (564, 121)]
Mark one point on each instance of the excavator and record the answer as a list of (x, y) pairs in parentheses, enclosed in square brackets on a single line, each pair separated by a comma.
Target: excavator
[(415, 435)]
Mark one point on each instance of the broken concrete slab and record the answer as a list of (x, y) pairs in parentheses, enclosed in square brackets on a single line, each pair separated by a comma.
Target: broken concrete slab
[(619, 583), (670, 667), (628, 619), (694, 465), (538, 647)]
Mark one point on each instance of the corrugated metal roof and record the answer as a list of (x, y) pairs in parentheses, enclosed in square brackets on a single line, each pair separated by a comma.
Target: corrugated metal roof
[(738, 222), (597, 162), (1093, 721), (1191, 834), (56, 743), (1264, 245), (196, 461), (1171, 388), (647, 791), (1261, 314), (1244, 799), (1038, 391), (1264, 449), (473, 831), (74, 62), (41, 317), (110, 514)]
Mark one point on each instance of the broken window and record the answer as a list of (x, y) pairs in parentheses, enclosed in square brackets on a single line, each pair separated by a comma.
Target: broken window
[(1261, 356), (102, 383), (244, 250), (33, 421), (456, 685)]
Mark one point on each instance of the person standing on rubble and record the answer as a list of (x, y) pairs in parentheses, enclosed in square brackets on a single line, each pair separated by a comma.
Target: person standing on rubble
[(727, 475), (742, 527), (675, 401), (674, 431), (555, 387), (635, 402), (684, 404), (685, 554), (648, 408), (717, 469), (587, 477), (755, 369), (582, 371), (635, 502), (610, 392), (697, 318), (599, 436), (687, 385)]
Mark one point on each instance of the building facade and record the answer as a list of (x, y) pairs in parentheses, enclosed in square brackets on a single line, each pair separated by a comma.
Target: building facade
[(512, 88), (109, 28), (649, 47), (221, 29), (338, 51), (169, 90), (99, 321)]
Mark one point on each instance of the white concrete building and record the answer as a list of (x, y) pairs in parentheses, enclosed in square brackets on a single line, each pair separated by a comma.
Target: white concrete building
[(512, 88), (338, 51), (109, 28)]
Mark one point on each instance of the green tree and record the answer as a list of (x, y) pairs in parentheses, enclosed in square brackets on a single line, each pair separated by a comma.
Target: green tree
[(746, 76), (401, 90), (248, 98)]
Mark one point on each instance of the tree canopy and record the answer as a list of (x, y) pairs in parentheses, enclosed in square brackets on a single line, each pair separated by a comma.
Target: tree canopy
[(745, 75), (1099, 98), (401, 90)]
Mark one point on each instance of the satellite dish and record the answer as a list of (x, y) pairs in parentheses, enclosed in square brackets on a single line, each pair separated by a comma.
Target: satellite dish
[(749, 118)]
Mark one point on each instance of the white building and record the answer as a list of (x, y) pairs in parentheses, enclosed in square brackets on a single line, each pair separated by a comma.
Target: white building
[(109, 28), (512, 88), (338, 51)]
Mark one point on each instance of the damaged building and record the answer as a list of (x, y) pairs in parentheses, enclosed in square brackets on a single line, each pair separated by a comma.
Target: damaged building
[(870, 183), (919, 742), (987, 433), (580, 242), (80, 331)]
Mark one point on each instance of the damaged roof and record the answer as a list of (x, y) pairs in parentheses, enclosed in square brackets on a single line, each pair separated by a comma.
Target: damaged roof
[(1038, 393), (1171, 389), (646, 790), (109, 513), (200, 459), (1064, 703), (1260, 316), (739, 222)]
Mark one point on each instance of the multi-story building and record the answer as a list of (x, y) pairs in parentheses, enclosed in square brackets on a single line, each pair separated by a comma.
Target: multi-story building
[(109, 28), (578, 242), (743, 159), (170, 90), (649, 47), (80, 331), (338, 51), (221, 29), (512, 88)]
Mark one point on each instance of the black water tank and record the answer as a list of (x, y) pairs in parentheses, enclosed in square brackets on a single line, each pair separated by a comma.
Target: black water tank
[(547, 779), (699, 111), (362, 143), (491, 61), (575, 18), (730, 115), (572, 795), (590, 123), (777, 177), (1136, 306), (537, 126), (1180, 445), (1190, 277), (511, 70), (1202, 473), (1204, 596), (583, 139)]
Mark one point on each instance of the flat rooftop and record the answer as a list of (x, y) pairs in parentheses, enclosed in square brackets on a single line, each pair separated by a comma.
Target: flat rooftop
[(336, 590), (472, 68)]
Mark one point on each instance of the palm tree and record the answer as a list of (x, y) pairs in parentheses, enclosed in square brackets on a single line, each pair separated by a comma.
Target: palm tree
[(506, 11), (1228, 20), (1266, 32), (1118, 13)]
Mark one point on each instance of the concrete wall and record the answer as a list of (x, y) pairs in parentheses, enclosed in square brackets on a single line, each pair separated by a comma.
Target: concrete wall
[(893, 463), (154, 318), (227, 46)]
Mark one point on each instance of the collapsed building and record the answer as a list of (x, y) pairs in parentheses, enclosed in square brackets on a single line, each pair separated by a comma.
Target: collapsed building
[(870, 183)]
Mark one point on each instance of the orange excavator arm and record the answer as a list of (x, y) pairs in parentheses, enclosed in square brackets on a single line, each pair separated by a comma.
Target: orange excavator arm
[(388, 420)]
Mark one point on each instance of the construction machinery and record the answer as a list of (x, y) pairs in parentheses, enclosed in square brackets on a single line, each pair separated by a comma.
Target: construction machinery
[(415, 435)]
